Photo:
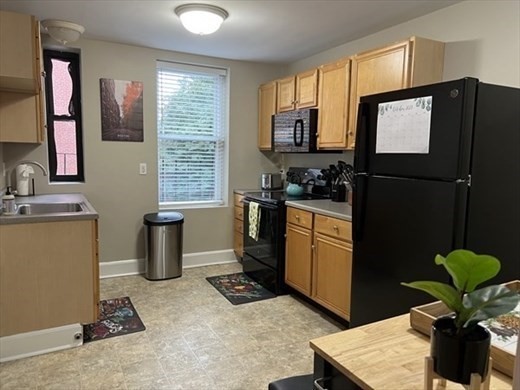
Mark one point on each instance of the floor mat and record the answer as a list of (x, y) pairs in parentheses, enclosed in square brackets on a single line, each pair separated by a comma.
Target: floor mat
[(117, 317), (239, 288)]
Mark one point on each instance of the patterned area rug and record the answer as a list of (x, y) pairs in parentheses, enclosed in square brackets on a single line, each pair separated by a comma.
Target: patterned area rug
[(238, 288), (117, 317)]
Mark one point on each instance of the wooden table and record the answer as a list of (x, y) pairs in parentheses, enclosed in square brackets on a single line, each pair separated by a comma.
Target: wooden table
[(387, 354)]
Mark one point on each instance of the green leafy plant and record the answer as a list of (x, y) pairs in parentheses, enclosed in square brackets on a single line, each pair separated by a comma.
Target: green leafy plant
[(470, 305)]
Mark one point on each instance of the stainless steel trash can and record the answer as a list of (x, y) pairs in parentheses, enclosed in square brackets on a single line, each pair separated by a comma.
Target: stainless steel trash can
[(163, 245)]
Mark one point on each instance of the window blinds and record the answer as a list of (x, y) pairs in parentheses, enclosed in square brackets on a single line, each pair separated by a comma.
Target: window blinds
[(192, 128)]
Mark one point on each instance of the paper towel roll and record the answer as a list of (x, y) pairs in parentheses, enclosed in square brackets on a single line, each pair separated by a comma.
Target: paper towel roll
[(23, 171)]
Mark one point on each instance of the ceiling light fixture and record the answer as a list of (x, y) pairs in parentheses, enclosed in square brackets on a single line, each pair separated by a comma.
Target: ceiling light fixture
[(63, 31), (201, 19)]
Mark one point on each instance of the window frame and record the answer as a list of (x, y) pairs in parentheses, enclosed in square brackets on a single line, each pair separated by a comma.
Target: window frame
[(74, 59), (225, 102)]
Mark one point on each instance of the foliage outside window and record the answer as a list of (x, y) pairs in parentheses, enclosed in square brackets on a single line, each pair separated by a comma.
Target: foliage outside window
[(63, 100), (192, 107)]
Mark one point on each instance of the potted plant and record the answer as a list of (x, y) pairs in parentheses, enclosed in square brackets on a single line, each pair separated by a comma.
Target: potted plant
[(459, 345)]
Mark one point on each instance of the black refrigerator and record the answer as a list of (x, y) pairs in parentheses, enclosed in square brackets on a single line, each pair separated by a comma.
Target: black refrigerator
[(437, 168)]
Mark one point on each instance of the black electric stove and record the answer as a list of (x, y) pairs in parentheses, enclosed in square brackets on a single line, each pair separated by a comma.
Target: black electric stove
[(279, 197), (264, 253)]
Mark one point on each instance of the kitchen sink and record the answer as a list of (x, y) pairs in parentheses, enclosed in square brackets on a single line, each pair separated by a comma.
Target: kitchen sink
[(49, 208)]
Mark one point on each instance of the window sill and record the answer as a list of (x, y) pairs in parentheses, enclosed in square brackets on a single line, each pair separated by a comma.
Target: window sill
[(181, 206)]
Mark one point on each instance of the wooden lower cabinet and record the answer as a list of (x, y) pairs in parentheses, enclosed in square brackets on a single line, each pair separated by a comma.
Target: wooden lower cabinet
[(298, 263), (238, 225), (318, 259), (332, 270), (49, 275)]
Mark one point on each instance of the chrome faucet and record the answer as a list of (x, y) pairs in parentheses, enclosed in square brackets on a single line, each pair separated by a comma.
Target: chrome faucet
[(44, 170), (36, 163)]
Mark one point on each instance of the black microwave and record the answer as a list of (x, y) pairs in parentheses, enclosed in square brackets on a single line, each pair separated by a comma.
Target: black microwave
[(295, 131)]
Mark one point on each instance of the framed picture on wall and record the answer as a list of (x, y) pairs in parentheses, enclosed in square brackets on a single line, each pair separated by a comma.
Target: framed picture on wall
[(121, 110)]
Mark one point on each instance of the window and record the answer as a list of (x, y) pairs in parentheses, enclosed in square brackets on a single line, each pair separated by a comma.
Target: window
[(63, 96), (192, 107)]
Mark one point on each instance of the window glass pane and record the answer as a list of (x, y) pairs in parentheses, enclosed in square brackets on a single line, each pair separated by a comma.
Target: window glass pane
[(191, 115), (187, 170), (65, 140), (61, 86)]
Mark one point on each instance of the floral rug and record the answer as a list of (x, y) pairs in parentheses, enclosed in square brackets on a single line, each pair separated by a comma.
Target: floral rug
[(117, 317), (238, 288)]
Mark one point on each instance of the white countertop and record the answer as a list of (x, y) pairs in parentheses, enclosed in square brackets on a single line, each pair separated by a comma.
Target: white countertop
[(341, 210)]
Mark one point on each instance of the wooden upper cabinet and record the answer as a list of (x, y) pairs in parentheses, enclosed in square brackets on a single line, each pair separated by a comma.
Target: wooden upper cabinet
[(307, 89), (21, 97), (266, 109), (19, 53), (296, 92), (410, 63), (333, 104), (21, 118), (285, 95)]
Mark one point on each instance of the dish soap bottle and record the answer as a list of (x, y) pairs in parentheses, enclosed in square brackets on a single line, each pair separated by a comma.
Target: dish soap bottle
[(8, 202)]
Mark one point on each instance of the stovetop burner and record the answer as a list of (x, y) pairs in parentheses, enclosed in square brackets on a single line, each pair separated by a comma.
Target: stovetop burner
[(280, 197)]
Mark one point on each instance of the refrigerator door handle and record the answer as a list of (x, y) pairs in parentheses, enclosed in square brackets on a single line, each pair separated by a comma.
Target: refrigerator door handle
[(358, 209), (361, 152)]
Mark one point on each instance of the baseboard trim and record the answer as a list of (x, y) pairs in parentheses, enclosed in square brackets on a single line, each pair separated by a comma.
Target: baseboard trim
[(27, 344), (112, 269)]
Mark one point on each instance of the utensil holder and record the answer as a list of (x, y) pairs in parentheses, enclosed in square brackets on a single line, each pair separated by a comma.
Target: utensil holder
[(339, 193)]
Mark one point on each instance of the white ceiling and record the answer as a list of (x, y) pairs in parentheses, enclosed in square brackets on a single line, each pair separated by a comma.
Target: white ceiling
[(256, 30)]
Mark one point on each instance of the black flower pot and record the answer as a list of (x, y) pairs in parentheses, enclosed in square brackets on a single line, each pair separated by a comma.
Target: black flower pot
[(457, 356)]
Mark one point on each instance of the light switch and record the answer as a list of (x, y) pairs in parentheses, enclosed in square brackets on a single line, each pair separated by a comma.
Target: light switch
[(142, 168)]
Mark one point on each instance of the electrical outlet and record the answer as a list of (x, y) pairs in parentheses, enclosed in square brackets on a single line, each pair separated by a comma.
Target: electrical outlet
[(142, 169)]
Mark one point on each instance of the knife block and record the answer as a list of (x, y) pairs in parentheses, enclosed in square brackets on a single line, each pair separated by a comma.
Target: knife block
[(339, 193)]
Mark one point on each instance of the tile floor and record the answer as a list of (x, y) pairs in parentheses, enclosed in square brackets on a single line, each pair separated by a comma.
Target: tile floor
[(194, 339)]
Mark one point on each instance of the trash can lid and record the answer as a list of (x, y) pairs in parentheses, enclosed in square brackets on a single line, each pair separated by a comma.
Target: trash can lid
[(163, 218)]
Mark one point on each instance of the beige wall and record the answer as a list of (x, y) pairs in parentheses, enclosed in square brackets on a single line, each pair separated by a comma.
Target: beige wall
[(482, 41), (113, 184)]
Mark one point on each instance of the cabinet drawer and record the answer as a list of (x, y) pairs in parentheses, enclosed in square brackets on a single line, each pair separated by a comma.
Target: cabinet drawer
[(238, 200), (299, 217), (239, 226), (239, 213), (333, 227)]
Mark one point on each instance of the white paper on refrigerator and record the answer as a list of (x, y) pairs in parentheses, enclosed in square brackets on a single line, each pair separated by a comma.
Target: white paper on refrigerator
[(403, 126)]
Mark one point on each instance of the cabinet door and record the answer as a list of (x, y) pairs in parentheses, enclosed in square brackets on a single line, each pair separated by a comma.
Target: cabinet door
[(266, 109), (19, 61), (333, 104), (238, 224), (21, 118), (377, 71), (298, 258), (307, 89), (332, 271), (285, 94), (51, 282)]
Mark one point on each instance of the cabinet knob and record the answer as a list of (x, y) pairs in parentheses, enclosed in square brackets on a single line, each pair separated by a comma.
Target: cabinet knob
[(335, 228), (350, 133), (297, 217)]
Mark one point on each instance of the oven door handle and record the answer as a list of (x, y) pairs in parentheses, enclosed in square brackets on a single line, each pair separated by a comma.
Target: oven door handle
[(261, 205)]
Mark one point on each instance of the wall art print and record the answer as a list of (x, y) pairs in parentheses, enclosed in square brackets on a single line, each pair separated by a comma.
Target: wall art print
[(121, 110)]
